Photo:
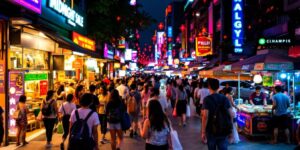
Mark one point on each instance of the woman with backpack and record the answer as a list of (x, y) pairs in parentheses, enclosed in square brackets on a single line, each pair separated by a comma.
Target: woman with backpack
[(103, 100), (156, 129), (50, 115), (114, 111), (181, 103), (65, 112), (21, 121), (84, 124)]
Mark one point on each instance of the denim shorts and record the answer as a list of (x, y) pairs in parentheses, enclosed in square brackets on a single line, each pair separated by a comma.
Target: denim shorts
[(114, 126)]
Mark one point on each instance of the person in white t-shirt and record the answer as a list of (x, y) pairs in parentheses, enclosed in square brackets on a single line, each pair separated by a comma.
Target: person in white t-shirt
[(93, 122), (123, 90), (155, 95), (65, 111)]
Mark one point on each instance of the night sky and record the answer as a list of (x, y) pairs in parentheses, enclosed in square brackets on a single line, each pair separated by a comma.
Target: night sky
[(156, 8)]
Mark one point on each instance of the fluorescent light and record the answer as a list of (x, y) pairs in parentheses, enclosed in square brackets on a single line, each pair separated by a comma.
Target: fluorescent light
[(79, 54)]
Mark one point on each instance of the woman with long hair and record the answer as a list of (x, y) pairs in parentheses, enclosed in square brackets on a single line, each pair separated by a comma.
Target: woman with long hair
[(181, 103), (156, 128), (145, 97), (61, 93), (65, 111), (114, 111), (234, 135), (103, 100), (21, 121), (50, 119)]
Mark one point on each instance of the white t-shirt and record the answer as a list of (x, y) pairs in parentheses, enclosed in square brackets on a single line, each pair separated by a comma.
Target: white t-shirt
[(68, 107), (202, 93), (83, 112), (163, 102), (123, 91)]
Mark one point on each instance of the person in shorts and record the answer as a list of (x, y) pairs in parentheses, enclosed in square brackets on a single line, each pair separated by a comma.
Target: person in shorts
[(281, 103)]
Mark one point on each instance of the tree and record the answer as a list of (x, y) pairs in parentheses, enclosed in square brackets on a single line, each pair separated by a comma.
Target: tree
[(108, 20)]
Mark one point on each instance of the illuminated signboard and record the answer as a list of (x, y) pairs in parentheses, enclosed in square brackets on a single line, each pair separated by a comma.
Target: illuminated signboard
[(84, 42), (134, 56), (170, 32), (132, 2), (237, 25), (108, 52), (128, 54), (274, 41), (73, 18), (122, 43), (34, 5), (160, 37), (203, 46)]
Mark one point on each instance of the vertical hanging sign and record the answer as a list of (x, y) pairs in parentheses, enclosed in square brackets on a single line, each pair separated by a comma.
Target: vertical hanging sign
[(237, 25)]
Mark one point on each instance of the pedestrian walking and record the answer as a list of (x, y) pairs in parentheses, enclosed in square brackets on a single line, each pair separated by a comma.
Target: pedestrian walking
[(155, 129), (84, 124), (181, 103), (21, 120), (50, 115), (216, 118), (133, 108), (95, 102), (115, 109), (145, 97), (202, 94), (65, 113), (103, 100), (79, 91)]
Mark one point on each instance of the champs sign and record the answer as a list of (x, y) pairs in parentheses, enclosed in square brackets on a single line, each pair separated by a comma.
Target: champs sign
[(203, 46)]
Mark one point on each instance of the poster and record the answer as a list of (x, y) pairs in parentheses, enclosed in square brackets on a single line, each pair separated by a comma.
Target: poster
[(16, 89), (2, 84), (43, 88), (203, 46)]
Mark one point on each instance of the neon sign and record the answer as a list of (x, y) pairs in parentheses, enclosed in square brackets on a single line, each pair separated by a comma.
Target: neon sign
[(34, 5), (73, 18), (84, 42), (237, 25)]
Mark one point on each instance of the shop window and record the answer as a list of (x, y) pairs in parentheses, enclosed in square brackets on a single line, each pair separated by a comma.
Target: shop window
[(16, 58), (34, 59)]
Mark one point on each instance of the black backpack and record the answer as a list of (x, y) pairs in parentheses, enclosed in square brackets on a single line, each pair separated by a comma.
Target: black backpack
[(221, 121), (80, 137), (47, 108)]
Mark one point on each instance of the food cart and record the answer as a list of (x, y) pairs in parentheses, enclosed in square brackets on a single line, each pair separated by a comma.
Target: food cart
[(255, 120)]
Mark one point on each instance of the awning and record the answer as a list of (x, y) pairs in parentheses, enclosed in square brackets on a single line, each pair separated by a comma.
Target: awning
[(267, 62)]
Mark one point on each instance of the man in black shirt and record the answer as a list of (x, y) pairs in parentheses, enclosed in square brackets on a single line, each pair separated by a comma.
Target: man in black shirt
[(95, 103), (216, 107)]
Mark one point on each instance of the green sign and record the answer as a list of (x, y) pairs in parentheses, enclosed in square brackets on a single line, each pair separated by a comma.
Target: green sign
[(262, 41), (267, 81), (33, 77)]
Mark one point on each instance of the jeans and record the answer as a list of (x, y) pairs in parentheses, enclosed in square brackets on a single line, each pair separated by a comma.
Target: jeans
[(219, 143), (49, 125)]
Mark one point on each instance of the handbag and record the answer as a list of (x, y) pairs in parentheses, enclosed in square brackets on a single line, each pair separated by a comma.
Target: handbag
[(175, 142), (174, 112), (60, 129), (188, 110), (125, 122)]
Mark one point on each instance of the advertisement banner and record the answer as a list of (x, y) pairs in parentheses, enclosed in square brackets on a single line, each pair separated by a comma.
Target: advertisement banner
[(203, 46), (16, 89), (77, 64), (84, 42), (261, 125), (43, 88)]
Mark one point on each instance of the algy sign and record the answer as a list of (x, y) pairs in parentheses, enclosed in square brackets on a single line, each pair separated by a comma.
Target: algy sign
[(73, 17), (237, 25)]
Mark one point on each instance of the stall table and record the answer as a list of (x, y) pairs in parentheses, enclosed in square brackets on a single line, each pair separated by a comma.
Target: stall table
[(255, 120)]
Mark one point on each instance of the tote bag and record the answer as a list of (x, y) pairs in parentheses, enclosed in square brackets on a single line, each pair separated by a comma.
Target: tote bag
[(176, 145)]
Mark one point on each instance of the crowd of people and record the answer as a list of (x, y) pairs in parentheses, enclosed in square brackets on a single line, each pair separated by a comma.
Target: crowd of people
[(148, 100)]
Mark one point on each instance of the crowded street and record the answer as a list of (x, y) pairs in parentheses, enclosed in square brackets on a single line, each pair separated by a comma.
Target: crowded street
[(149, 74)]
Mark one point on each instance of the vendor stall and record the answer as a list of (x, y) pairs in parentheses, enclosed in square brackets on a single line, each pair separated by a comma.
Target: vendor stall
[(255, 120)]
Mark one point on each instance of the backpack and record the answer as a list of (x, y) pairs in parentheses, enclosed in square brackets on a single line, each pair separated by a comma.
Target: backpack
[(114, 115), (47, 108), (131, 105), (80, 137), (221, 121)]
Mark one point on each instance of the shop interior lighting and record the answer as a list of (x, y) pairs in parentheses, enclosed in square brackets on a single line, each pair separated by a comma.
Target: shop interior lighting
[(283, 75), (79, 54), (197, 14)]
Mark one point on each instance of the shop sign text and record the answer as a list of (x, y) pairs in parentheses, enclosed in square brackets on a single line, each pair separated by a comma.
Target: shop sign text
[(73, 18), (84, 42), (237, 25), (203, 46)]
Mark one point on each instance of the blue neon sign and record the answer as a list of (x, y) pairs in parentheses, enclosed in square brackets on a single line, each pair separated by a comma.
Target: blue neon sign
[(170, 31), (237, 25)]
